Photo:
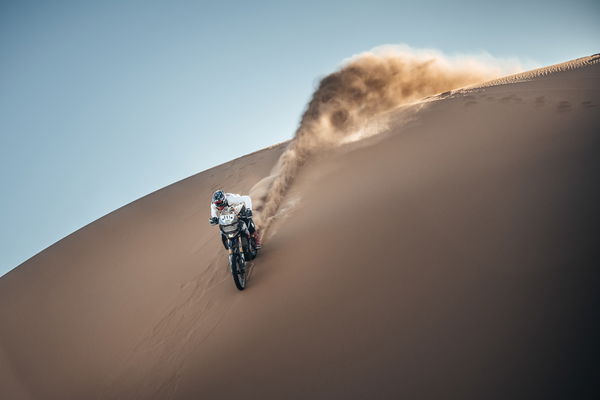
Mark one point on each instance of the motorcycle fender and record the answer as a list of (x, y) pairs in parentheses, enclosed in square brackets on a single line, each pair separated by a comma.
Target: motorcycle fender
[(232, 243)]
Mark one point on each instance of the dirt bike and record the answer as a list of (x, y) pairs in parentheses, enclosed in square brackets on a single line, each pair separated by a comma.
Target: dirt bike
[(240, 243)]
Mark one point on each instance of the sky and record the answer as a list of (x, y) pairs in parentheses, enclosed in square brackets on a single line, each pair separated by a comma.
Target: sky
[(103, 102)]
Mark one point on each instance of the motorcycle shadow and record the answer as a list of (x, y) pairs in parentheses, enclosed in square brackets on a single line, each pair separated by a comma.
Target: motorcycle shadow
[(250, 271)]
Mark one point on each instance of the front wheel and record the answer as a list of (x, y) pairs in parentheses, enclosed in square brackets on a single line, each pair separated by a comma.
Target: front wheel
[(238, 270)]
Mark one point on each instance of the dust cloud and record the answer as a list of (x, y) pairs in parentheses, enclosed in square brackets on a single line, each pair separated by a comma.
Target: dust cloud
[(365, 86)]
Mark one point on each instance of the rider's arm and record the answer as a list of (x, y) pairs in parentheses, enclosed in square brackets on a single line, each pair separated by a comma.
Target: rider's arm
[(237, 199), (213, 211), (248, 202)]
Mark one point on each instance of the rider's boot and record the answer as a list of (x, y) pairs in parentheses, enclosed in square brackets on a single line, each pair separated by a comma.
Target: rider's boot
[(257, 241)]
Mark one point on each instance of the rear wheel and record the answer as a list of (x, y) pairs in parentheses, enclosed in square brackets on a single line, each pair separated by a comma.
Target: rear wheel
[(238, 270)]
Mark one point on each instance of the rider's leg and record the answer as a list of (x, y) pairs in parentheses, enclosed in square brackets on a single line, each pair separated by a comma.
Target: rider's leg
[(254, 232), (251, 226)]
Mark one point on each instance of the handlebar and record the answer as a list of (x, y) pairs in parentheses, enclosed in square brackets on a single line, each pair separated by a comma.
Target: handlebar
[(243, 213)]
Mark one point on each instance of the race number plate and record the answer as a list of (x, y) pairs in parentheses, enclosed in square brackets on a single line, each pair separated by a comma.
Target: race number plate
[(227, 219)]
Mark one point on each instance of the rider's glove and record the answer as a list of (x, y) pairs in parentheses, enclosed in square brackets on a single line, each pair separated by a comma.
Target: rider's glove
[(248, 212), (213, 220)]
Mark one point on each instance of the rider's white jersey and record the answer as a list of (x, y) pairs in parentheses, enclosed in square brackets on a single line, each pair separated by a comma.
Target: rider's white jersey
[(232, 199)]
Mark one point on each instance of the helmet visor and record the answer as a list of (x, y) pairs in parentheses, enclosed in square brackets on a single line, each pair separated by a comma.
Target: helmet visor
[(220, 204)]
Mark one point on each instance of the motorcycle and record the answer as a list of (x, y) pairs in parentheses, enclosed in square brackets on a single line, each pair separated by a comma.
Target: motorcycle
[(239, 242)]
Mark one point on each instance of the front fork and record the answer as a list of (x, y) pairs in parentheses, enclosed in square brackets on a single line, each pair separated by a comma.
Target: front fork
[(235, 243)]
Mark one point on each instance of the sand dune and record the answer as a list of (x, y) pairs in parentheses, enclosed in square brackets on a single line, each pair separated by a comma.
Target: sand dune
[(453, 255)]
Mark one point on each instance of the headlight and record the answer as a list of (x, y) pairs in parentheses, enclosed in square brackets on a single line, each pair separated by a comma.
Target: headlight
[(230, 228)]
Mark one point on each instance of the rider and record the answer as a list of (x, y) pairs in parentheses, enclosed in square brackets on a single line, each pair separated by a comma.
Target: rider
[(220, 200)]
